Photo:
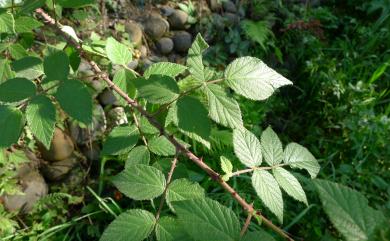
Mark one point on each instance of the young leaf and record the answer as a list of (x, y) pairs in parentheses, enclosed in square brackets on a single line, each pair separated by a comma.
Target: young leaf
[(161, 146), (165, 68), (123, 79), (289, 184), (17, 89), (226, 165), (134, 224), (121, 140), (11, 124), (140, 182), (56, 66), (349, 211), (41, 118), (139, 155), (269, 192), (118, 53), (194, 59), (169, 229), (183, 189), (271, 147), (75, 99), (206, 219), (222, 108), (158, 89), (297, 156), (253, 79), (247, 147)]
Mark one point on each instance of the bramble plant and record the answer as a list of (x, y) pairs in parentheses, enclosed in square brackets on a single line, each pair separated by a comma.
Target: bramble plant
[(166, 102)]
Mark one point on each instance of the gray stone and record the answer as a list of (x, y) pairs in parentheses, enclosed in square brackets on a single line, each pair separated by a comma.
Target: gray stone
[(135, 32), (156, 26), (182, 41), (229, 6), (57, 170), (33, 187), (116, 117), (215, 5), (165, 45), (133, 64), (61, 147), (144, 51), (107, 98), (167, 11), (178, 19)]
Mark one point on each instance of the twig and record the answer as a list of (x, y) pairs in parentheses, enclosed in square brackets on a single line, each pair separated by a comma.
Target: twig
[(237, 173), (169, 178), (179, 147), (246, 224), (136, 122)]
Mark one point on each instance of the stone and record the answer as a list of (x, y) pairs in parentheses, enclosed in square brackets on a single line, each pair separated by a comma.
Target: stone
[(107, 98), (135, 32), (57, 170), (229, 6), (231, 18), (156, 26), (146, 63), (133, 64), (182, 41), (215, 5), (165, 45), (33, 186), (178, 19), (167, 11), (144, 51), (61, 147), (116, 117), (92, 152)]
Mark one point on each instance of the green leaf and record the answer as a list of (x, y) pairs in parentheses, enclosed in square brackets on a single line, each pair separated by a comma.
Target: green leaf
[(349, 211), (146, 127), (28, 67), (259, 32), (75, 100), (17, 51), (194, 59), (289, 184), (75, 3), (268, 190), (158, 89), (140, 182), (192, 118), (123, 79), (164, 68), (7, 23), (134, 225), (17, 89), (41, 118), (56, 66), (206, 219), (139, 155), (226, 165), (183, 189), (271, 147), (25, 24), (5, 70), (121, 140), (247, 147), (258, 235), (223, 109), (31, 5), (74, 57), (297, 156), (11, 124), (169, 229), (253, 79), (161, 146), (118, 53)]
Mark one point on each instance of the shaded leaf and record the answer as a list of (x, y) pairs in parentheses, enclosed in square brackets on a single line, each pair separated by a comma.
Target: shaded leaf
[(169, 229), (16, 89), (121, 140), (11, 124), (56, 66)]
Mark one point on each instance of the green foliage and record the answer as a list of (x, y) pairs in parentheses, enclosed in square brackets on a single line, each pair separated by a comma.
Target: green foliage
[(158, 89), (12, 122), (17, 89), (271, 147), (138, 155), (297, 156), (123, 79), (169, 229), (194, 59), (289, 184), (56, 66), (164, 68), (183, 189), (118, 53), (258, 32), (121, 140), (161, 146), (247, 147)]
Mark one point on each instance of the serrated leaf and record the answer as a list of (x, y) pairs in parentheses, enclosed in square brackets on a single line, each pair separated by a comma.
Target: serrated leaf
[(348, 210), (206, 219), (56, 66), (41, 119), (183, 189), (194, 59), (247, 147), (161, 146), (31, 5), (169, 229), (223, 109), (226, 165), (165, 68), (268, 190), (7, 23), (17, 51), (16, 89), (158, 89), (297, 156), (75, 100), (258, 235), (138, 155), (253, 79), (117, 52), (25, 24), (271, 147), (134, 224), (28, 67), (5, 71), (289, 184), (146, 127), (140, 182), (121, 140), (75, 3), (123, 79), (11, 124)]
